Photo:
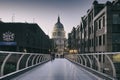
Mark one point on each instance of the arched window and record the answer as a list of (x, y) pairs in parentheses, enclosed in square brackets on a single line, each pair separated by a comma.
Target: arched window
[(54, 34)]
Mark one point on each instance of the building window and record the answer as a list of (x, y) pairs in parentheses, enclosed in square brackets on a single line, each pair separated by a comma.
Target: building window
[(96, 41), (92, 42), (116, 18), (96, 25), (85, 34), (89, 30), (92, 16), (85, 43), (89, 18), (100, 40), (103, 21), (100, 24), (116, 38), (116, 29), (92, 29), (104, 39)]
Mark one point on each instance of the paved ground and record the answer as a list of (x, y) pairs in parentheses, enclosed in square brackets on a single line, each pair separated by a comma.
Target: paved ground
[(58, 69)]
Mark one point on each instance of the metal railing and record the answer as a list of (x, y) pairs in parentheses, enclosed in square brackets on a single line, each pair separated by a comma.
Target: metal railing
[(105, 65), (14, 62)]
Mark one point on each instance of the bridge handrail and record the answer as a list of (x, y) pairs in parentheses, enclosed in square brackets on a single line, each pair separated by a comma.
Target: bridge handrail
[(98, 53), (30, 59), (6, 52), (102, 63)]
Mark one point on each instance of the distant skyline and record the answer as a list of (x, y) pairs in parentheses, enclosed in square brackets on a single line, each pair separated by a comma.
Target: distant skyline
[(45, 12)]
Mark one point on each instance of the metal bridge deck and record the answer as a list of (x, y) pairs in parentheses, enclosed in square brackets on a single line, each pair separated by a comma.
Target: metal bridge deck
[(58, 69)]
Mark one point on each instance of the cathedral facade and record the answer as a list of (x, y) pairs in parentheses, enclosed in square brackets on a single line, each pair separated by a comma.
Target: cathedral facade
[(58, 37)]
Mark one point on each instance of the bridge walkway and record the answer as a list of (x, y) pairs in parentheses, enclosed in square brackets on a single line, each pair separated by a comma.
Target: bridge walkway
[(58, 69)]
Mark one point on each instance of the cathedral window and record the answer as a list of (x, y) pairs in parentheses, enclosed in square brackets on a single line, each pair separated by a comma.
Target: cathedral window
[(54, 34), (59, 34)]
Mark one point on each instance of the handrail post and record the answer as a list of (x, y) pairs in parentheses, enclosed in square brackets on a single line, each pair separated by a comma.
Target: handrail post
[(112, 65), (33, 59), (28, 60), (18, 63), (81, 59), (37, 59), (4, 62), (89, 60), (84, 60), (98, 63)]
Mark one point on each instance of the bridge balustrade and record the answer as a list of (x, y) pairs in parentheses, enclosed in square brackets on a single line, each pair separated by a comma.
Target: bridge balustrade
[(106, 65), (15, 62)]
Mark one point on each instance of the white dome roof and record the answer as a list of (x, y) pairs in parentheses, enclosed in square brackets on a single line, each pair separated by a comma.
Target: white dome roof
[(58, 25)]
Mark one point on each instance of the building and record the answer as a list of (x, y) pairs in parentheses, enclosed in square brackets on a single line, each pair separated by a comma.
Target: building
[(72, 41), (99, 28), (58, 37), (99, 32), (23, 37)]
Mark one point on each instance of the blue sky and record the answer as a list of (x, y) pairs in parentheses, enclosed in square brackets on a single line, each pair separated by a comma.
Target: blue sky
[(45, 12)]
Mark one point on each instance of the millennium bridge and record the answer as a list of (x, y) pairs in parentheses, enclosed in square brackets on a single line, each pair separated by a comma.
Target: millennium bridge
[(34, 66)]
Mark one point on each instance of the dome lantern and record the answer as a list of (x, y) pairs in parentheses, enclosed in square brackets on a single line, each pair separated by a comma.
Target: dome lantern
[(58, 19)]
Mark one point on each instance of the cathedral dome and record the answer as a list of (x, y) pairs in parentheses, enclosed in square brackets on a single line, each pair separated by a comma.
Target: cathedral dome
[(58, 30), (58, 25)]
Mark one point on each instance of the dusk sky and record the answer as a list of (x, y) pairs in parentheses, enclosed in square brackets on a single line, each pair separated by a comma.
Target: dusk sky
[(45, 12)]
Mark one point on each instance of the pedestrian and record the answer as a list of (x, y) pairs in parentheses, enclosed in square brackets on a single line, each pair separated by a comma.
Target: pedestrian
[(52, 56)]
